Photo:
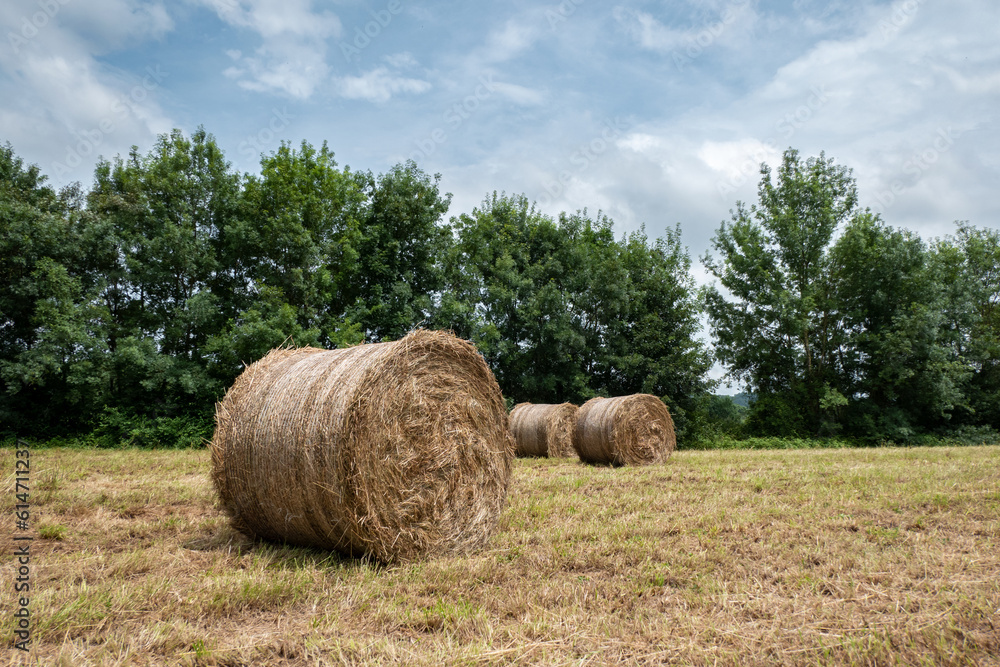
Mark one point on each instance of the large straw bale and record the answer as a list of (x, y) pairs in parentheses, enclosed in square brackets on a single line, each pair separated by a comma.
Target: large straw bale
[(627, 430), (394, 450), (542, 429)]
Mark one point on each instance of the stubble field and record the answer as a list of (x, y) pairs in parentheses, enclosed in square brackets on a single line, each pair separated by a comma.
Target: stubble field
[(884, 556)]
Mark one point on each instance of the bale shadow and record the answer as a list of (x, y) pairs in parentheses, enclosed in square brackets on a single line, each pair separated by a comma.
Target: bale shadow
[(283, 556)]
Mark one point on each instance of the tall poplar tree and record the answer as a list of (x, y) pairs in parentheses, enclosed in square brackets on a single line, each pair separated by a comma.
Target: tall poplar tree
[(773, 318)]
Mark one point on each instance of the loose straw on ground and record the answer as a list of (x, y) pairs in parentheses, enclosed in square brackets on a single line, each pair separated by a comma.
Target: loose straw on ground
[(394, 450), (543, 430), (627, 430)]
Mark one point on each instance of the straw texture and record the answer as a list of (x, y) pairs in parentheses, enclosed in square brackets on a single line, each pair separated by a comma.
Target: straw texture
[(627, 430), (543, 430), (394, 450)]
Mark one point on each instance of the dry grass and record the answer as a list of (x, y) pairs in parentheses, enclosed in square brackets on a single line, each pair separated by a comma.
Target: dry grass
[(798, 558)]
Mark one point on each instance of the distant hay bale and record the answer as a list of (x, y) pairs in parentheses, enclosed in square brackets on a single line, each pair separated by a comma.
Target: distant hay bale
[(627, 430), (394, 450), (543, 430)]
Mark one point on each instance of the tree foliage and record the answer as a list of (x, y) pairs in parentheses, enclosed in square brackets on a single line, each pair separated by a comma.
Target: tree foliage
[(51, 352), (778, 332), (399, 249), (130, 308), (841, 323), (974, 280), (563, 312), (127, 308)]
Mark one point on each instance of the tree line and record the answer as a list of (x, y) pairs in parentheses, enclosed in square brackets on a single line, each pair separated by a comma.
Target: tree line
[(127, 309), (842, 324), (136, 303)]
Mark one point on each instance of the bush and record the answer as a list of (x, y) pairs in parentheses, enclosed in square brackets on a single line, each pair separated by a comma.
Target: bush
[(713, 418), (119, 428), (776, 416), (729, 442)]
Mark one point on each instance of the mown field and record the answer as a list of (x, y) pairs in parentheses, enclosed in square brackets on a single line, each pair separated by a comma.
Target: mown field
[(860, 556)]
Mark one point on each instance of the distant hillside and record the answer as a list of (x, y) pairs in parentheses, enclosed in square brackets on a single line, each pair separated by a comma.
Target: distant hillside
[(742, 399)]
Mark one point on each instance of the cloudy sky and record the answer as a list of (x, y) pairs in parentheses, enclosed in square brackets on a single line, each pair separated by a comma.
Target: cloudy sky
[(657, 113)]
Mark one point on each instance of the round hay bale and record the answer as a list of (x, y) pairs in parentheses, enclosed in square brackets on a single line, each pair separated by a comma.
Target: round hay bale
[(627, 430), (393, 450), (543, 430)]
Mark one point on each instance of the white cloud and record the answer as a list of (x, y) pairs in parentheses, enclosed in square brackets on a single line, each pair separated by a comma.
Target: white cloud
[(404, 60), (722, 26), (515, 37), (521, 95), (59, 100), (101, 26), (986, 83), (379, 86), (277, 18), (109, 25), (910, 110), (640, 142), (292, 57), (734, 159), (648, 32)]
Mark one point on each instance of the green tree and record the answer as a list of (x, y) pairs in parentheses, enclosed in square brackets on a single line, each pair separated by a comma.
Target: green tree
[(507, 291), (564, 312), (899, 364), (776, 331), (52, 361), (269, 323), (166, 214), (400, 251), (289, 259), (979, 253), (599, 286), (653, 346), (299, 235)]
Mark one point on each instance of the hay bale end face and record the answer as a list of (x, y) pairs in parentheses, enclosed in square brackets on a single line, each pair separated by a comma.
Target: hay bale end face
[(627, 430), (543, 430), (394, 450)]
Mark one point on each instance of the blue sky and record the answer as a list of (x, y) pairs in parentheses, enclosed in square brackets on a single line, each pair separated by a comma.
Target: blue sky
[(657, 113)]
